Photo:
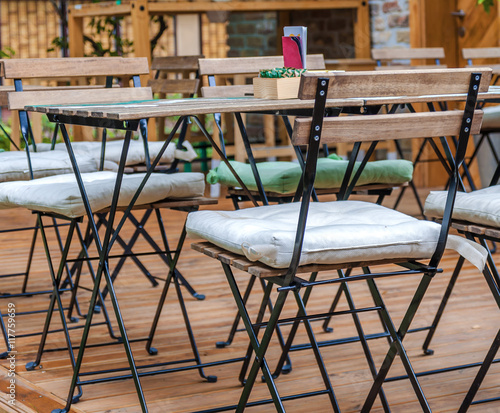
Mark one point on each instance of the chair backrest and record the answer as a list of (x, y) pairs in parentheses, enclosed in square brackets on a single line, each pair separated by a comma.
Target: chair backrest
[(175, 74), (393, 56), (74, 68), (483, 53), (78, 70), (243, 68), (317, 130)]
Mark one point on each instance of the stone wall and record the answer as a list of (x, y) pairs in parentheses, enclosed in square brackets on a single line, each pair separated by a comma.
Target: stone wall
[(390, 23)]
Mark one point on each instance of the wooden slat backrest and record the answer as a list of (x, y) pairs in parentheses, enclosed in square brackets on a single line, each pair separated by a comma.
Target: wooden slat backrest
[(364, 128), (184, 86), (252, 65), (74, 67), (481, 53), (390, 84), (59, 96), (245, 66), (227, 91), (176, 63), (408, 53), (393, 83)]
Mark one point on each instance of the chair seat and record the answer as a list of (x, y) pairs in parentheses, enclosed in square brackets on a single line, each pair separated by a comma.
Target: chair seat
[(337, 232), (14, 165), (60, 194), (480, 207), (491, 118), (283, 177), (135, 154)]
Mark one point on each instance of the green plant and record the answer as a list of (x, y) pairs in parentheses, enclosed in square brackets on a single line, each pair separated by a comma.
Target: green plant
[(281, 72), (8, 53), (487, 4), (108, 26)]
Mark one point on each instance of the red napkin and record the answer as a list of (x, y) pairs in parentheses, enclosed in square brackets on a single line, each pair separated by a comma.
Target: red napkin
[(292, 52)]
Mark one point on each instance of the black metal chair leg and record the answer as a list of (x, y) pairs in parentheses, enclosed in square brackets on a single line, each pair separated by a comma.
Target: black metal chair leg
[(397, 346), (167, 258), (5, 354), (481, 374), (442, 305), (234, 327), (30, 259), (102, 305), (259, 348), (192, 341), (256, 328), (317, 353), (56, 281)]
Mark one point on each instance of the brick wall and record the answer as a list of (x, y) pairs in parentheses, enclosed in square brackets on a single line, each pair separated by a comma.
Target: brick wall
[(252, 34), (329, 31)]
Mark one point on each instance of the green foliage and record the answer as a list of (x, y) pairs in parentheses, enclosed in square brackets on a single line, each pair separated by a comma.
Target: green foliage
[(281, 72), (487, 4), (109, 27), (7, 53)]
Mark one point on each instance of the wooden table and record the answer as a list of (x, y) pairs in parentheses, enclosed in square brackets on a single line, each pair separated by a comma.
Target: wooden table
[(133, 111)]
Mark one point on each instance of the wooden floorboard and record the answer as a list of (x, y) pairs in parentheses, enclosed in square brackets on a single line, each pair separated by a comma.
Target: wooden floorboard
[(466, 331)]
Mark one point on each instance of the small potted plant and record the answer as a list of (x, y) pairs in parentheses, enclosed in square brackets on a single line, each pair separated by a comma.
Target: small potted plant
[(279, 83)]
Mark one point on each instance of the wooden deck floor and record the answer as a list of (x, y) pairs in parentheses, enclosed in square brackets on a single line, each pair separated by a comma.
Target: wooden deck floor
[(468, 327)]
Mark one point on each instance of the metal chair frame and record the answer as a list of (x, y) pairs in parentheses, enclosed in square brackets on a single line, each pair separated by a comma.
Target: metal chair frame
[(289, 282)]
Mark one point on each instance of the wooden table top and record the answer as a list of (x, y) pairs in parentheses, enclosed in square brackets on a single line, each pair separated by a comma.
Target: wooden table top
[(135, 110), (179, 107)]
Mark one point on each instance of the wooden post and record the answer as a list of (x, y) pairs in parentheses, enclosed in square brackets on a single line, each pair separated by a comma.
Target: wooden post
[(76, 49), (75, 33), (142, 46), (362, 35)]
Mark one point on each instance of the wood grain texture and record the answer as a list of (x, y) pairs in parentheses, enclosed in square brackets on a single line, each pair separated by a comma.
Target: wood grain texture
[(408, 53), (386, 127), (64, 67), (56, 96), (251, 65), (181, 86), (466, 331), (481, 52), (176, 63), (394, 82)]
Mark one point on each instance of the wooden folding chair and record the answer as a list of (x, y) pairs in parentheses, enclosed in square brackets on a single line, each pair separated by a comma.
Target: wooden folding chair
[(261, 177), (25, 165), (409, 59), (486, 56), (397, 58), (475, 215), (281, 243), (65, 197)]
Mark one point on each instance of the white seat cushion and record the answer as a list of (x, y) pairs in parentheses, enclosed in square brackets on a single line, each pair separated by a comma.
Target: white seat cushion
[(480, 207), (60, 194), (491, 118), (135, 154), (14, 165), (337, 232)]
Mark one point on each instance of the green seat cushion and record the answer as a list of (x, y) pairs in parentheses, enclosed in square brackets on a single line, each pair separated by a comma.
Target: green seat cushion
[(283, 177)]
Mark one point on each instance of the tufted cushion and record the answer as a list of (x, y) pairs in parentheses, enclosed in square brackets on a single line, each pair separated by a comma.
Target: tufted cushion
[(337, 232), (283, 177), (14, 165), (60, 194), (135, 154), (491, 118), (480, 207)]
